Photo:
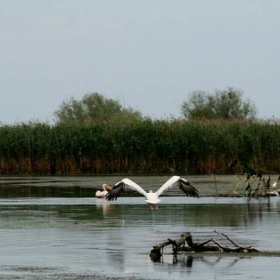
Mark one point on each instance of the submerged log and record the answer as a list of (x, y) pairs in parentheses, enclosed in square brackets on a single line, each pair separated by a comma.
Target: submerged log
[(186, 237)]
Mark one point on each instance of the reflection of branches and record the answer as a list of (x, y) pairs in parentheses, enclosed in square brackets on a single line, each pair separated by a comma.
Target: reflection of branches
[(191, 259), (256, 210)]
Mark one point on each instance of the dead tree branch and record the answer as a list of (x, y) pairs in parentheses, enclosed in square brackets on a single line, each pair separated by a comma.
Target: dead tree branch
[(238, 247), (186, 237)]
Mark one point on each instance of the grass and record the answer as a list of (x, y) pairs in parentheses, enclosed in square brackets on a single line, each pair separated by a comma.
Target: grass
[(143, 147)]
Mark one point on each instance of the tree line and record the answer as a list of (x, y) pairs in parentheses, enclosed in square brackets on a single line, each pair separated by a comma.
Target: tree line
[(225, 104)]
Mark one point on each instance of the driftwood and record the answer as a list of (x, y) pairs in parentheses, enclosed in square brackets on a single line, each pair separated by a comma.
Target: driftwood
[(157, 250), (186, 237), (238, 248)]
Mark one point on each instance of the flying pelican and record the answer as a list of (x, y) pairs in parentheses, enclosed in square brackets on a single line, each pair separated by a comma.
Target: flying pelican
[(102, 194), (152, 198)]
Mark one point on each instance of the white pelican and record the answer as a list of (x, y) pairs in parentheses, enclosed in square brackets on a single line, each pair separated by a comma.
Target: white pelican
[(102, 194), (274, 192), (152, 198)]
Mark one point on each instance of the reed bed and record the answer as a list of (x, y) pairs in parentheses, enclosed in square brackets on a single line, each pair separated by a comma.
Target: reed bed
[(143, 147)]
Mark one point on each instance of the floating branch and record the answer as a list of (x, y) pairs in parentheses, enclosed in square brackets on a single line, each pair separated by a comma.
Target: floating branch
[(186, 237), (238, 248), (157, 250)]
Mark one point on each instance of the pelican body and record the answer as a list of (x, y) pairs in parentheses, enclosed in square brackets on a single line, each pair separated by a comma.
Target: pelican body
[(152, 198)]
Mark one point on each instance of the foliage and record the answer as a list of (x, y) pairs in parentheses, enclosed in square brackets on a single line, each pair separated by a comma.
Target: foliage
[(94, 108), (146, 146), (226, 104)]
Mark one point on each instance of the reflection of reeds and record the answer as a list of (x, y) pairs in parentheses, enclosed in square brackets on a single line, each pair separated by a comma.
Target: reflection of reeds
[(159, 146)]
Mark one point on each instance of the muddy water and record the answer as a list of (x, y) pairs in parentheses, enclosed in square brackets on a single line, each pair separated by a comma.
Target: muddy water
[(54, 228)]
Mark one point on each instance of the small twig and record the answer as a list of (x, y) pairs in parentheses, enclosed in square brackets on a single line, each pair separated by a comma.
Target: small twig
[(220, 233), (215, 187), (243, 180), (205, 242), (224, 248), (247, 247)]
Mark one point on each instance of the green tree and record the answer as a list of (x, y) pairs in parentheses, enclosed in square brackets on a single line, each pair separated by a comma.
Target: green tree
[(94, 108), (225, 104)]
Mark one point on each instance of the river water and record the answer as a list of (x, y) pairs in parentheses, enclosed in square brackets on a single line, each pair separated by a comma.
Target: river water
[(54, 228)]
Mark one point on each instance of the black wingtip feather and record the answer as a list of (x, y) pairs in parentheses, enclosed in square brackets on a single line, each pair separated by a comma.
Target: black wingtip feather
[(114, 193), (110, 197), (188, 189)]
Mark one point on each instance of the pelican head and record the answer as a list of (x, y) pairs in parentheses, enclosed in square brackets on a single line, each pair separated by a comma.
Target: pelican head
[(152, 200), (102, 194)]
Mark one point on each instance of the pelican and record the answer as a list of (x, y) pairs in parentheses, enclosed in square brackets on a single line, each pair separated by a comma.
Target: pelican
[(152, 198), (274, 185), (102, 194), (274, 192)]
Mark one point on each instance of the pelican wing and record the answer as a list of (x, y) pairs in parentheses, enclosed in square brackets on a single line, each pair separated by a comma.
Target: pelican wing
[(124, 184), (182, 183)]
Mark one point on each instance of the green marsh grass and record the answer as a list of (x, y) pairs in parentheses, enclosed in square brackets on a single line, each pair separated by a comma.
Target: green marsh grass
[(159, 146)]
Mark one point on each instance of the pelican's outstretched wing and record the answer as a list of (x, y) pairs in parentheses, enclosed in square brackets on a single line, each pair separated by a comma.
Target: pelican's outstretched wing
[(182, 183), (124, 184)]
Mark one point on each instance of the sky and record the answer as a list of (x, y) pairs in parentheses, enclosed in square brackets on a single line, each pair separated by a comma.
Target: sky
[(147, 54)]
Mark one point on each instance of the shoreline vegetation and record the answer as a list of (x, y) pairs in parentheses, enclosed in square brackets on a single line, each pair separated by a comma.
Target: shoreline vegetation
[(141, 147)]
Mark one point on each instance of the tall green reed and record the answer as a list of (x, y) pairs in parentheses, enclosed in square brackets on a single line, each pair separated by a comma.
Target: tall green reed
[(148, 146)]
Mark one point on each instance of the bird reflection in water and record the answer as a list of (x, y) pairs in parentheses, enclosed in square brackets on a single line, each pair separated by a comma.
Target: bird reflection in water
[(104, 205)]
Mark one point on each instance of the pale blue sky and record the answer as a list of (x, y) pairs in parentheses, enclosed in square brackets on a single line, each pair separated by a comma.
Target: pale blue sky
[(149, 54)]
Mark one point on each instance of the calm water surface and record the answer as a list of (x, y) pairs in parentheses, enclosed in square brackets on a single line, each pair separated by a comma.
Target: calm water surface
[(54, 228)]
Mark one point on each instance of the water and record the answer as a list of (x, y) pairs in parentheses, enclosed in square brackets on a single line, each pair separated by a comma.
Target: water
[(54, 228)]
